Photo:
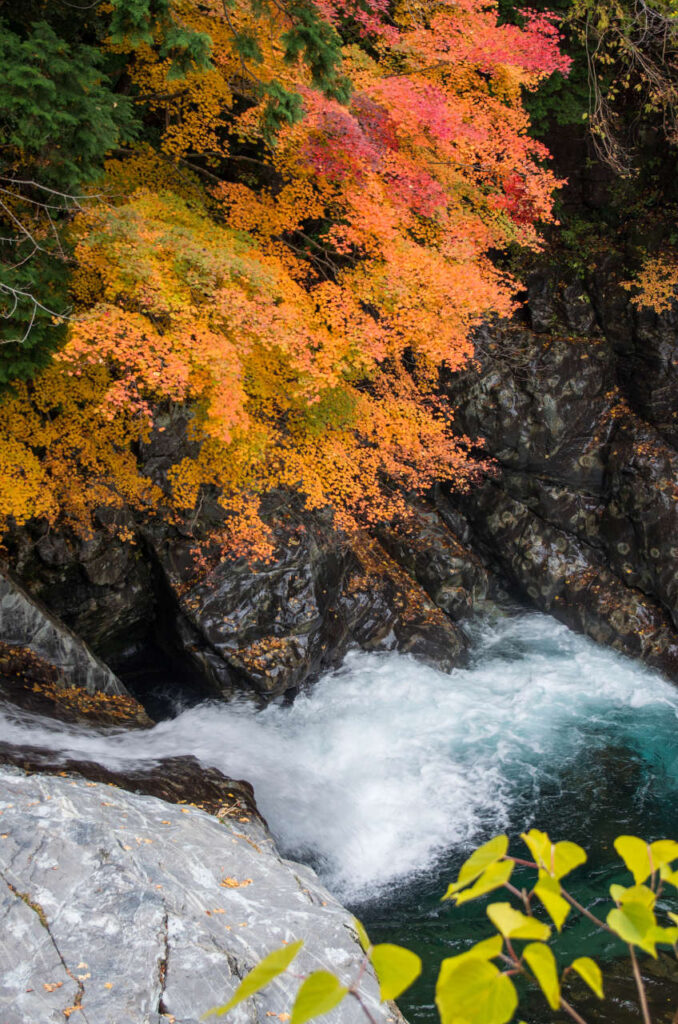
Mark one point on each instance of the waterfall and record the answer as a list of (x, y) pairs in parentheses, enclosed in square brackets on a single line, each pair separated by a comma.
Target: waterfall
[(386, 764)]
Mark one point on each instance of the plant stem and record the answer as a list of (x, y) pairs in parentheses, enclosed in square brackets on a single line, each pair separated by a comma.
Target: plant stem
[(584, 911), (571, 1010), (639, 985), (512, 888), (356, 995)]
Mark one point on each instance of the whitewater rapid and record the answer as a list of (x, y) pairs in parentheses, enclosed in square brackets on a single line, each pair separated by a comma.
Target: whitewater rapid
[(385, 764)]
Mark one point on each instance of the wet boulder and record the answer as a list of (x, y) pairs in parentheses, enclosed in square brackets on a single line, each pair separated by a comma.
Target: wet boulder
[(564, 576), (271, 627), (385, 608), (100, 586), (44, 666), (453, 577), (573, 465)]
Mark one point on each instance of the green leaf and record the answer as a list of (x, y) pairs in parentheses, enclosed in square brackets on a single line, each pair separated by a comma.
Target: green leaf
[(478, 862), (363, 937), (260, 976), (633, 894), (636, 855), (485, 950), (396, 968), (634, 923), (674, 917), (543, 965), (548, 891), (492, 878), (514, 925), (589, 970), (319, 994), (475, 992)]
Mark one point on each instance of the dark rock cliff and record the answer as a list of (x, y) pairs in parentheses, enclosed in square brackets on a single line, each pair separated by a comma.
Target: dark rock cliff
[(581, 515), (576, 403)]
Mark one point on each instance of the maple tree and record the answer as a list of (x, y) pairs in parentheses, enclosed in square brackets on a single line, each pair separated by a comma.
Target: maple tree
[(300, 239)]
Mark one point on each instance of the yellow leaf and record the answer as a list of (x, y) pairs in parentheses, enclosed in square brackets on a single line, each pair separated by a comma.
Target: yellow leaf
[(634, 893), (636, 855), (488, 949), (492, 878), (514, 925), (634, 923), (589, 970), (543, 965), (478, 862), (549, 892), (475, 992), (557, 859)]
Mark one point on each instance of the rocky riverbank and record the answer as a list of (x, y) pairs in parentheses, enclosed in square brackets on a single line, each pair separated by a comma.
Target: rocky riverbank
[(185, 890), (578, 518), (581, 515), (120, 908)]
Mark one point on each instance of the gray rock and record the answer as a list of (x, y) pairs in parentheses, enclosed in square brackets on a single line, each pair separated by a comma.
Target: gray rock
[(136, 911), (26, 625), (99, 586)]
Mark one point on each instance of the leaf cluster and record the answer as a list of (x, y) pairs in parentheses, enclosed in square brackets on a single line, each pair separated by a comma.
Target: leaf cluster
[(477, 986)]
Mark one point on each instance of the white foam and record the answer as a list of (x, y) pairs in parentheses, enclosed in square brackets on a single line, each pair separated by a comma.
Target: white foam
[(386, 763)]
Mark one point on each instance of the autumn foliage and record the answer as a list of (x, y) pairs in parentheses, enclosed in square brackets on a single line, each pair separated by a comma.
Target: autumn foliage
[(301, 240)]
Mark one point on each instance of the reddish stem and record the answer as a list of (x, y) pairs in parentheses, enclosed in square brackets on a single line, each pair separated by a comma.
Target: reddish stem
[(639, 985)]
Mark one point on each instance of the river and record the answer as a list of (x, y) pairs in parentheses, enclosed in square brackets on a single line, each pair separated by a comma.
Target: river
[(386, 773)]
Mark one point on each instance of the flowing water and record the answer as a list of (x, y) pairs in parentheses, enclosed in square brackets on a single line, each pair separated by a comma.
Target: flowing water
[(386, 773)]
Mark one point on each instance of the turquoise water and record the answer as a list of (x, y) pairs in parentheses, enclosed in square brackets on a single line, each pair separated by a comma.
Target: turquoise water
[(387, 773), (613, 769)]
